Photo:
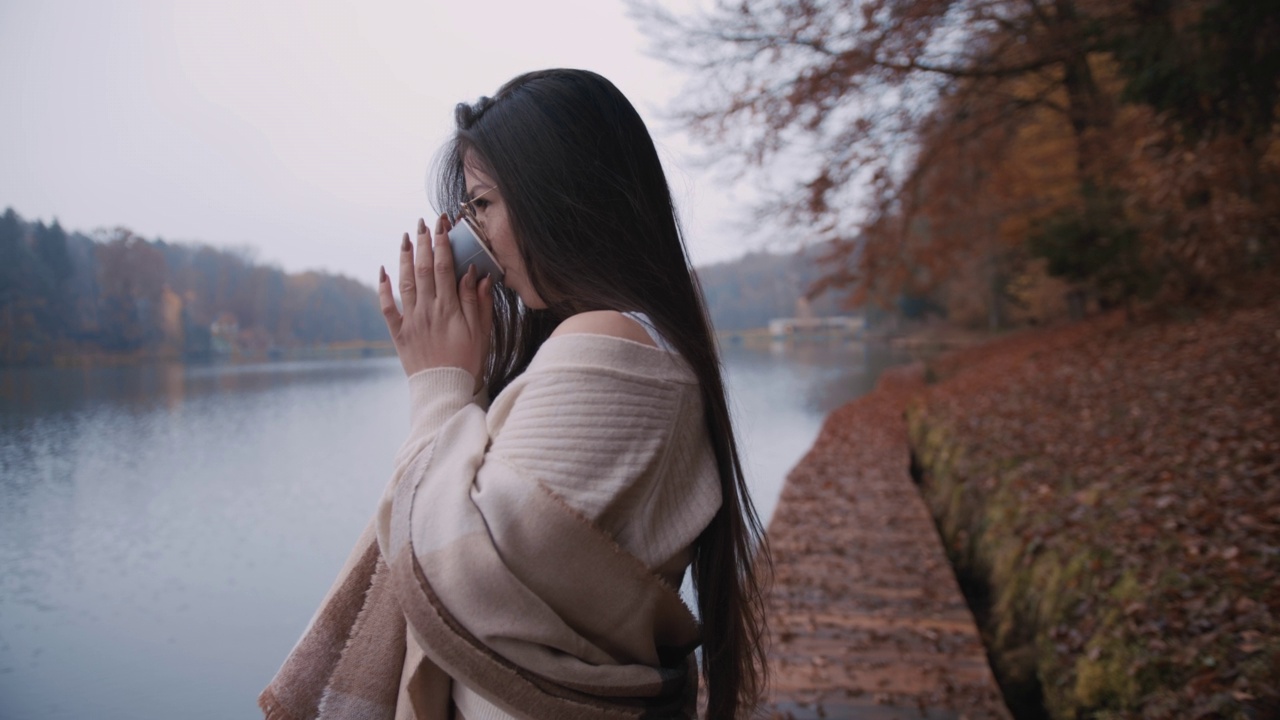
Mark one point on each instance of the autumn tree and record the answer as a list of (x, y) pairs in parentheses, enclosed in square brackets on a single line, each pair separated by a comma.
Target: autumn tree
[(131, 275), (880, 113), (846, 89), (1211, 65), (1203, 173)]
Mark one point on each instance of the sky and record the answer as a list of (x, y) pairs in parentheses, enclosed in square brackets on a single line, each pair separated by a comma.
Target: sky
[(301, 131)]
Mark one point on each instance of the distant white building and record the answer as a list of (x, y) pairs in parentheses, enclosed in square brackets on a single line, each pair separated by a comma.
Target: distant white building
[(223, 332), (805, 328)]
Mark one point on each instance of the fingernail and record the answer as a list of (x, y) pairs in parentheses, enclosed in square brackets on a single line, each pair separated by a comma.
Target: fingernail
[(404, 244), (422, 226), (382, 274)]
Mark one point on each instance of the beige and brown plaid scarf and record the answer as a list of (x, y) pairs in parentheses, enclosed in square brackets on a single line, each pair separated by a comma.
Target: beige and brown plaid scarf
[(504, 587)]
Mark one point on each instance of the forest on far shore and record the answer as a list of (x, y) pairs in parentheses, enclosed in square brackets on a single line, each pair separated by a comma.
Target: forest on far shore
[(114, 296), (67, 297)]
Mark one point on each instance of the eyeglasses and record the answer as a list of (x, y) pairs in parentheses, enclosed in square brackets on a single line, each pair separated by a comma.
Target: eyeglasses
[(471, 247), (470, 215)]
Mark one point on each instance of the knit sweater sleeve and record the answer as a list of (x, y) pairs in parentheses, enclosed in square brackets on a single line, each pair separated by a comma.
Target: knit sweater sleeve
[(435, 396), (613, 428), (620, 447)]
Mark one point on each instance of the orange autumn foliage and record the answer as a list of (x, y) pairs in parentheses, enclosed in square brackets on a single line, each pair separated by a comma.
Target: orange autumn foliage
[(938, 147)]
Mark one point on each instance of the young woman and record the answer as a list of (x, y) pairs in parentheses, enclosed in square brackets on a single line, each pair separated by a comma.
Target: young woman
[(570, 452)]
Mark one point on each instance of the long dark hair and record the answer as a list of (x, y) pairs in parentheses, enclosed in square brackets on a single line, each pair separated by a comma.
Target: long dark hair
[(593, 216)]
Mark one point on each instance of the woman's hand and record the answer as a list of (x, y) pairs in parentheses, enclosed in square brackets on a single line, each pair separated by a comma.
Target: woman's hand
[(445, 322)]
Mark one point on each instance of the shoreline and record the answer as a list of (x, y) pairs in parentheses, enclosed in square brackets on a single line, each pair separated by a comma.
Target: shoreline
[(865, 617), (1108, 492), (97, 358)]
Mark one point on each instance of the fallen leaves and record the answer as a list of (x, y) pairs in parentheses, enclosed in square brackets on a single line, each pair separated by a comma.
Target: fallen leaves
[(1137, 469)]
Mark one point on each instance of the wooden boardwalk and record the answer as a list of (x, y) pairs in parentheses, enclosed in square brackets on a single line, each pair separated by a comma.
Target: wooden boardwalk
[(866, 618)]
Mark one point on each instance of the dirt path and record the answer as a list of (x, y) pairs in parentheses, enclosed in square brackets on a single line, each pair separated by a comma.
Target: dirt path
[(865, 615)]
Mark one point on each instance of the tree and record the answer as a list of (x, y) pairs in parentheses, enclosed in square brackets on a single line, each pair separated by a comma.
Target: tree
[(982, 180), (851, 86), (13, 262), (51, 248), (35, 306), (877, 113), (52, 275), (131, 275), (12, 256), (1203, 178), (1211, 65)]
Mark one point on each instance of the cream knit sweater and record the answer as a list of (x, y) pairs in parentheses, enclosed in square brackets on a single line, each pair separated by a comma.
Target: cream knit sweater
[(612, 426)]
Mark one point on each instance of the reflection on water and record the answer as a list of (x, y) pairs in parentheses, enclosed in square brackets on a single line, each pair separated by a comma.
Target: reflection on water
[(29, 392), (163, 528), (780, 399), (166, 531)]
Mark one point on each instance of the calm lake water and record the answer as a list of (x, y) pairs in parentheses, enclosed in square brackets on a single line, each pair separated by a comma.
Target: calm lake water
[(166, 532)]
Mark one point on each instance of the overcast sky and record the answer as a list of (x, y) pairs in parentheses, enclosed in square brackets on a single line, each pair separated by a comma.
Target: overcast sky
[(303, 130)]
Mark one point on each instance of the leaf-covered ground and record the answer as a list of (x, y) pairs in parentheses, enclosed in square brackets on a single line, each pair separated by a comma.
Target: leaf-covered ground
[(1116, 486)]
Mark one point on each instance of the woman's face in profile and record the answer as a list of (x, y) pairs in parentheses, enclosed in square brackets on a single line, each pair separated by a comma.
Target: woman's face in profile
[(491, 212)]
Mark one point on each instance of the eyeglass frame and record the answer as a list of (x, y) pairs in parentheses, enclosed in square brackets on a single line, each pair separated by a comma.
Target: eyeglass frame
[(470, 213), (470, 242)]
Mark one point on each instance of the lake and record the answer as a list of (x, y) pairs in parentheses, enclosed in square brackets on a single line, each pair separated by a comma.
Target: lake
[(167, 531)]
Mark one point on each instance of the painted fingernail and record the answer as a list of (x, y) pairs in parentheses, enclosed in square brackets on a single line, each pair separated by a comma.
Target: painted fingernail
[(422, 226), (382, 274), (404, 244)]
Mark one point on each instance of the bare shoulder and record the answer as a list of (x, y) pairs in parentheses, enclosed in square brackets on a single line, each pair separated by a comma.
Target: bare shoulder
[(604, 322)]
